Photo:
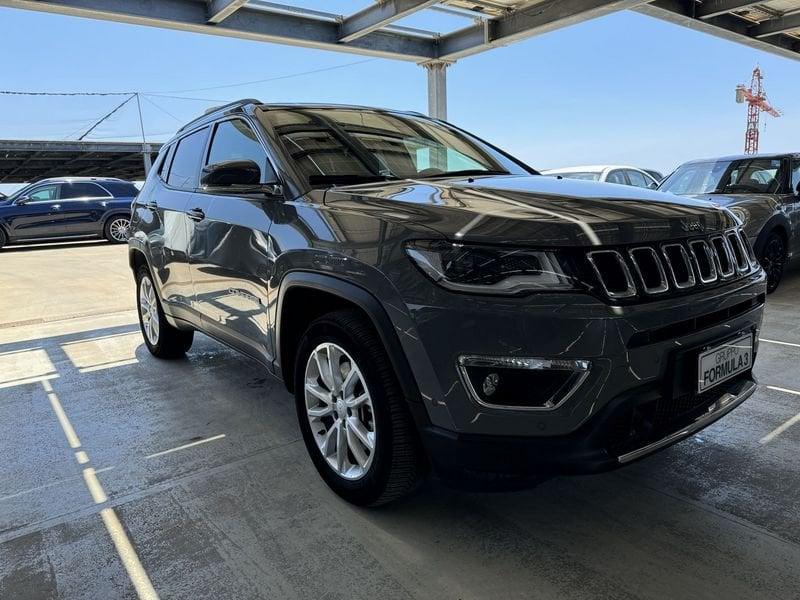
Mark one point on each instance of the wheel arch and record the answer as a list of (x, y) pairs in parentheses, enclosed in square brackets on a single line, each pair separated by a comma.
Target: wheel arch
[(305, 296), (777, 223)]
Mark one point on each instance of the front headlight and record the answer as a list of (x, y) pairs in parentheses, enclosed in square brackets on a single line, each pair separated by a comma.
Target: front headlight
[(491, 270), (741, 214)]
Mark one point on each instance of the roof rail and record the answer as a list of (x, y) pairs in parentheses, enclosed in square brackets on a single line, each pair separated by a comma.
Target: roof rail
[(214, 109)]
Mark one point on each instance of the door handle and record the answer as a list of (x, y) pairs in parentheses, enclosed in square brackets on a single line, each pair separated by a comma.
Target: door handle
[(55, 207), (196, 214)]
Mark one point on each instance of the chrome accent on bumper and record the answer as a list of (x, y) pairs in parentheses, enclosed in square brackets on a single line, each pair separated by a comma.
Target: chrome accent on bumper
[(724, 404)]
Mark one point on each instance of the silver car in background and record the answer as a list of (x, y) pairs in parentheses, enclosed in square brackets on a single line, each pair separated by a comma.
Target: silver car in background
[(763, 191), (621, 174)]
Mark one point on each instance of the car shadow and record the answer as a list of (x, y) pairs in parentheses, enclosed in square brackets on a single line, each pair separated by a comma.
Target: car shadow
[(33, 246)]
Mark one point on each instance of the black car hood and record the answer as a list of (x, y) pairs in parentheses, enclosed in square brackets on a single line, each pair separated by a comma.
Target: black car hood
[(535, 210)]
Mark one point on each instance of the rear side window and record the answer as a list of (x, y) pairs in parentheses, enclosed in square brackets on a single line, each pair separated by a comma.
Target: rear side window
[(121, 189), (236, 140), (637, 179), (617, 177), (82, 190), (796, 176), (183, 173)]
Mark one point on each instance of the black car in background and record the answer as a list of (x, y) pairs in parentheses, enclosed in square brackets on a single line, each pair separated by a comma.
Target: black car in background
[(68, 207), (762, 190)]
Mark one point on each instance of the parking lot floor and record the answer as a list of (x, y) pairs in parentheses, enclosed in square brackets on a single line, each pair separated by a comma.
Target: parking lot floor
[(128, 477)]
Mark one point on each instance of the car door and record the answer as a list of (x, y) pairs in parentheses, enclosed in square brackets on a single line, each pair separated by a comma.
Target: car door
[(34, 214), (161, 216), (792, 206), (83, 204), (230, 253)]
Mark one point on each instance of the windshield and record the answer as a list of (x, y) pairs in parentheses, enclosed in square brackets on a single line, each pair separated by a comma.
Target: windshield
[(341, 145), (745, 176), (585, 175)]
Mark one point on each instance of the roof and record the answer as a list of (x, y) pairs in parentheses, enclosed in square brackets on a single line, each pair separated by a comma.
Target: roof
[(433, 30), (590, 169), (30, 160), (767, 155)]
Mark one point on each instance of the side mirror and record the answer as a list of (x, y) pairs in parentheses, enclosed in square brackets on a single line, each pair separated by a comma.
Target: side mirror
[(231, 174), (22, 201)]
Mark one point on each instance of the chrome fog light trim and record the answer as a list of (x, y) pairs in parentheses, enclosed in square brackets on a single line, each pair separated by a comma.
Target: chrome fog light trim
[(579, 368)]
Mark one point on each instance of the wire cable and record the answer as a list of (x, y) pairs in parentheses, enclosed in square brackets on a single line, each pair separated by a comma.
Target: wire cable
[(93, 127)]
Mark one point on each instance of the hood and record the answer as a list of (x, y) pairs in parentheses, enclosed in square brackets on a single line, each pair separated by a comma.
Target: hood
[(536, 210), (729, 200)]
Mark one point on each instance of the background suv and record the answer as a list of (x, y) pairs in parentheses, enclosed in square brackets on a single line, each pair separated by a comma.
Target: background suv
[(762, 191), (432, 301), (70, 207)]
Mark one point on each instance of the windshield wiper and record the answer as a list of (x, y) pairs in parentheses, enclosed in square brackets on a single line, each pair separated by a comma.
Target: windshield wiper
[(347, 179), (463, 173)]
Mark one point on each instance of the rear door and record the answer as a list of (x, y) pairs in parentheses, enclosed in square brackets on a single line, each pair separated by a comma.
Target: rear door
[(161, 215), (230, 252), (37, 218), (83, 204)]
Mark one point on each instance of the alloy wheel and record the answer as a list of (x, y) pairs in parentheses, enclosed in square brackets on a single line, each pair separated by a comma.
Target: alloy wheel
[(773, 260), (340, 412), (148, 308), (119, 229)]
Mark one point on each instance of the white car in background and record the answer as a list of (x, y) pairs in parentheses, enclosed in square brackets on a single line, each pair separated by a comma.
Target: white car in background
[(608, 173)]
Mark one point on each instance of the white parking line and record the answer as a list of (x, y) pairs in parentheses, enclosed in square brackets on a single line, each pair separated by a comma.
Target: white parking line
[(784, 426), (190, 445), (779, 343)]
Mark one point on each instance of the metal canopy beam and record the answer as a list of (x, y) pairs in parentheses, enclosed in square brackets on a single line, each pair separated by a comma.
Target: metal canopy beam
[(726, 26), (714, 8), (246, 23), (379, 15), (526, 22), (219, 10), (776, 26)]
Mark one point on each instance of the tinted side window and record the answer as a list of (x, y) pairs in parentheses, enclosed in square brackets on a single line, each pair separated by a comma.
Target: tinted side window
[(44, 193), (183, 173), (121, 189), (82, 190), (638, 179), (617, 177), (166, 159), (796, 175), (235, 140)]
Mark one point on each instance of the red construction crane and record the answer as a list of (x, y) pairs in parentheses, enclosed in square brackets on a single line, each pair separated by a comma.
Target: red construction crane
[(757, 101)]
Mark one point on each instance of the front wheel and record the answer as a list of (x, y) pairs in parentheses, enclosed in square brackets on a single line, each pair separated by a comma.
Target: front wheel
[(118, 229), (162, 339), (773, 259), (352, 412)]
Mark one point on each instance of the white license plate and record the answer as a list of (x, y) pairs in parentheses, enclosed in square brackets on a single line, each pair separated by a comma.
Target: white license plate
[(724, 361)]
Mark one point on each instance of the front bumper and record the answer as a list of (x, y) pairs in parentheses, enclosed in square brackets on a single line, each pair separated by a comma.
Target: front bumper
[(628, 428)]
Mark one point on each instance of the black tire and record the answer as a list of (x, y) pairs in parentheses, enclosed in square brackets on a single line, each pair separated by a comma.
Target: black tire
[(3, 238), (773, 258), (397, 465), (111, 229), (170, 342)]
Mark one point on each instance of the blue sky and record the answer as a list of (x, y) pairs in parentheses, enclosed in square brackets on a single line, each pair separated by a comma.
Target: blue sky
[(621, 89)]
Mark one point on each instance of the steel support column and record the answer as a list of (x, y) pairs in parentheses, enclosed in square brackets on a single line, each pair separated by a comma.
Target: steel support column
[(437, 88)]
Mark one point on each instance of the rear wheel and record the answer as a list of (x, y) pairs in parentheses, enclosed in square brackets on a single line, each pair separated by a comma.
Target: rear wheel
[(773, 259), (162, 339), (118, 229), (3, 238), (352, 412)]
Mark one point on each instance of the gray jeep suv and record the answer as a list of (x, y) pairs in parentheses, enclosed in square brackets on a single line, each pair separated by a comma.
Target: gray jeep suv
[(434, 303)]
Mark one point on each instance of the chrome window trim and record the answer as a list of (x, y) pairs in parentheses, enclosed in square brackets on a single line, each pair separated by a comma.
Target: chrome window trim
[(691, 281), (630, 291), (664, 287), (712, 261), (582, 367)]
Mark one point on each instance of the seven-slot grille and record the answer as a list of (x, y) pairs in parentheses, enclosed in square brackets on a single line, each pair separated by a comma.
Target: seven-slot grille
[(653, 269)]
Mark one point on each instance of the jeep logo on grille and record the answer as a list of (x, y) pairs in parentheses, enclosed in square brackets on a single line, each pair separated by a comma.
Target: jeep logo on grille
[(690, 226)]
